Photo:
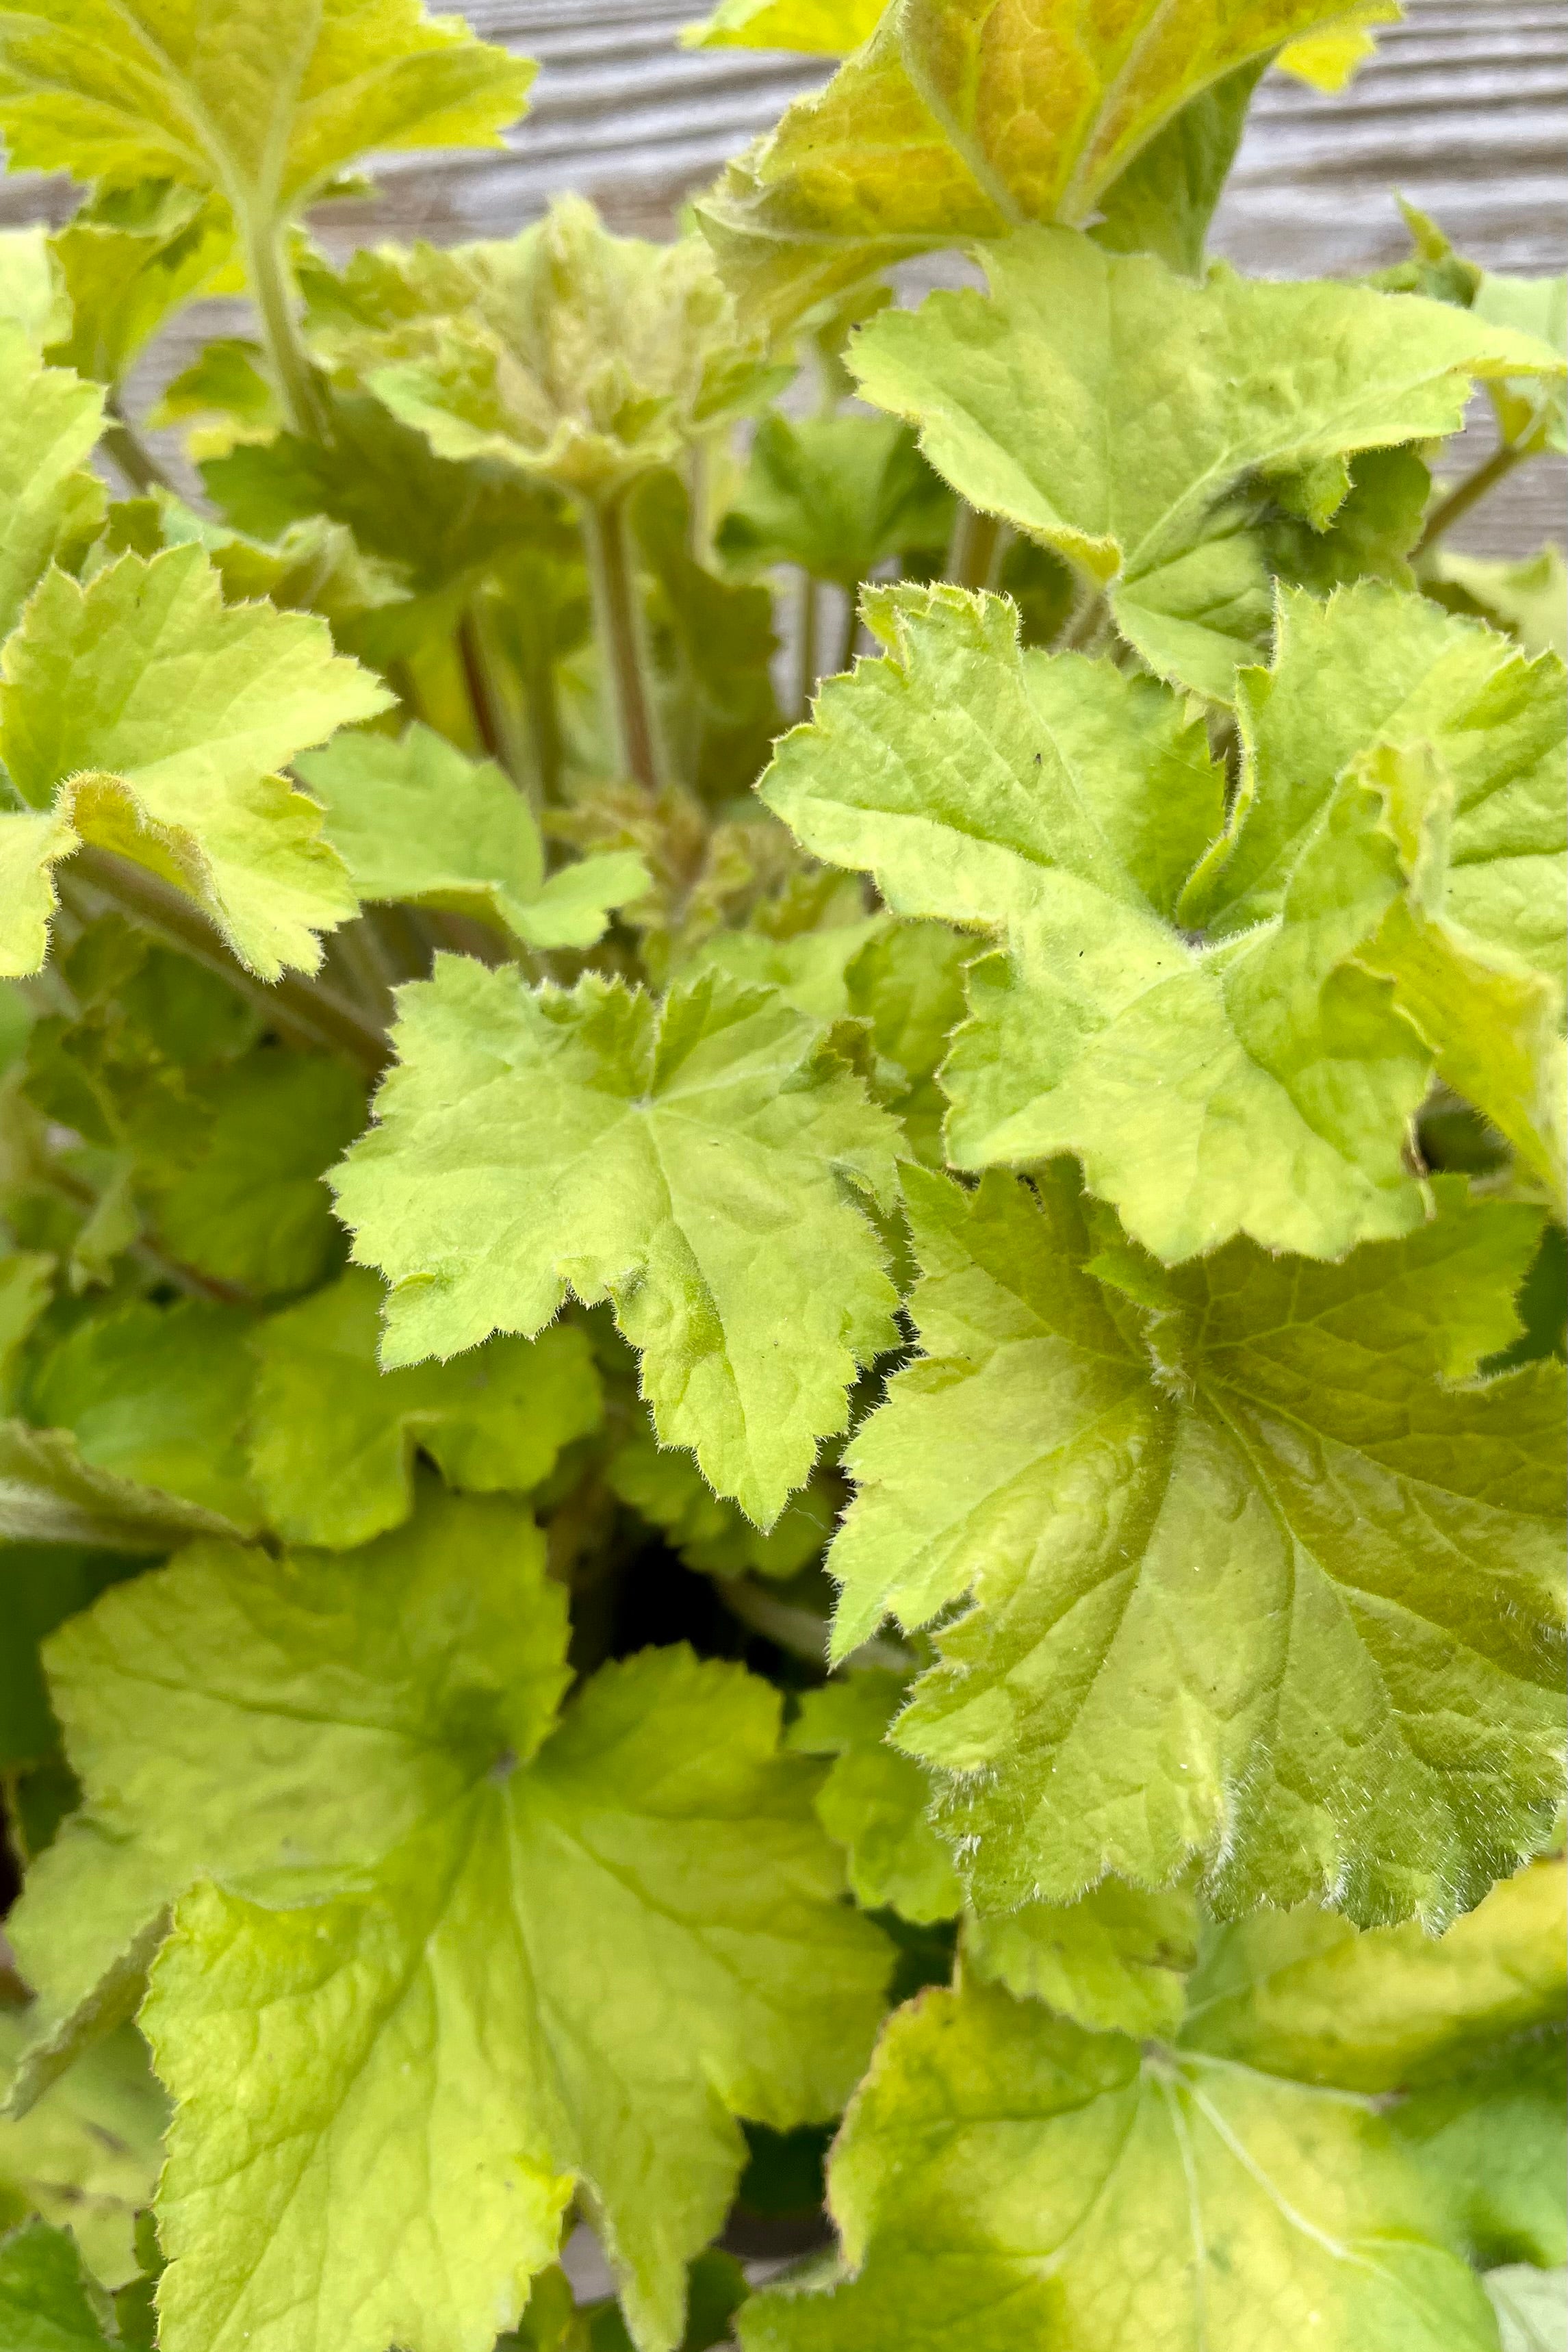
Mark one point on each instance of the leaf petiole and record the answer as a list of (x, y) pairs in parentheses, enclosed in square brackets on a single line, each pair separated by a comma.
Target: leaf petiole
[(623, 637)]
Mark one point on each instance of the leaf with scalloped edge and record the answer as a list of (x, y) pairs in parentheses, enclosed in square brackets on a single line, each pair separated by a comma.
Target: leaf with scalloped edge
[(333, 1437), (694, 1162), (1085, 401), (874, 1800), (125, 265), (1262, 1084), (1473, 737), (142, 715), (1116, 1961), (957, 122), (261, 101), (50, 1494), (1006, 2181), (569, 355), (417, 823), (1249, 1583), (559, 1947), (51, 506)]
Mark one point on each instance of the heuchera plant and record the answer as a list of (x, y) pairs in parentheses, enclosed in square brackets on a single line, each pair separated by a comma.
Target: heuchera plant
[(728, 1434)]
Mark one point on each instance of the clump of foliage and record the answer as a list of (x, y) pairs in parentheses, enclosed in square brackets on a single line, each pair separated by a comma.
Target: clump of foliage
[(720, 1430)]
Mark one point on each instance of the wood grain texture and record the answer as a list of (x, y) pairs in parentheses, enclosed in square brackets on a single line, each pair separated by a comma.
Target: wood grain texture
[(1463, 110)]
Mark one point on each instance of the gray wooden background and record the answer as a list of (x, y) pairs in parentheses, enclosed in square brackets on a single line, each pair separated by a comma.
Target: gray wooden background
[(1464, 111)]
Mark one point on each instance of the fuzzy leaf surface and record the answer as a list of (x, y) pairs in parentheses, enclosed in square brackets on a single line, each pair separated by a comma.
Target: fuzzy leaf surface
[(259, 102), (1262, 1084), (332, 1437), (1007, 2179), (570, 355), (554, 1950), (694, 1163), (1087, 401), (52, 505), (874, 1800), (957, 122), (1249, 1584), (142, 715), (418, 824)]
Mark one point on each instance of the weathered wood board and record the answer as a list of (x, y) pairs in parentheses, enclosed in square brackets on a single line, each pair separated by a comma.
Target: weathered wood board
[(1464, 111)]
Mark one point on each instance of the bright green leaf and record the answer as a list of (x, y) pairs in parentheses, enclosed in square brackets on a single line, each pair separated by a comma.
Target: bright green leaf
[(694, 1163), (53, 506), (158, 1395), (236, 1714), (27, 1286), (874, 1800), (142, 714), (1059, 802), (122, 281), (86, 2158), (1079, 401), (1165, 200), (1532, 414), (1007, 2180), (1478, 950), (1530, 597), (261, 101), (30, 288), (333, 1437), (956, 123), (823, 28), (248, 1205), (664, 1486), (573, 356), (369, 1740), (1116, 1961), (836, 494), (415, 821), (45, 2302), (1247, 1583)]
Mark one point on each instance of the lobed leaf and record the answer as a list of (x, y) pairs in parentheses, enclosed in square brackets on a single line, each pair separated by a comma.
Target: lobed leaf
[(694, 1163), (1085, 401), (1249, 1584), (417, 823), (1007, 2178), (142, 715)]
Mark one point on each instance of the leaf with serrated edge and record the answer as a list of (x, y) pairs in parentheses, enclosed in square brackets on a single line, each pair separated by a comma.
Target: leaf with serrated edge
[(1465, 736), (332, 1437), (174, 1707), (521, 1953), (572, 355), (1116, 1961), (1081, 401), (957, 122), (694, 1162), (1263, 1086), (261, 101), (418, 823), (141, 714), (1006, 2181), (873, 1801), (1248, 1584), (51, 507)]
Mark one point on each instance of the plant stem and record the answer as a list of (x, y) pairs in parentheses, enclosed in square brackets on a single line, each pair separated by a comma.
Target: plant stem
[(316, 1014), (157, 1261), (851, 636), (808, 613), (623, 637), (481, 696), (273, 296), (973, 547), (1466, 494), (131, 455)]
